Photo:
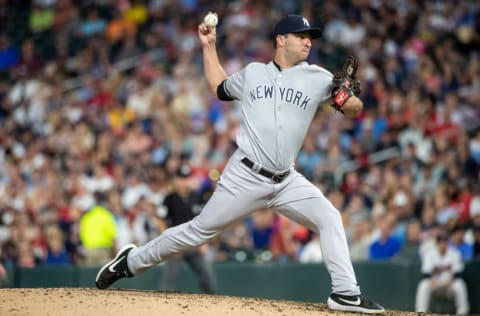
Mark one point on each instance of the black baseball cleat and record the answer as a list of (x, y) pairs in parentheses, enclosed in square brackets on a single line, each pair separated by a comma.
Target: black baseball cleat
[(353, 303), (115, 269)]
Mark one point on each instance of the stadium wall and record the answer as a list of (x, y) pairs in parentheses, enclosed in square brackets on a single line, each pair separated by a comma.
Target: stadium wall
[(391, 283)]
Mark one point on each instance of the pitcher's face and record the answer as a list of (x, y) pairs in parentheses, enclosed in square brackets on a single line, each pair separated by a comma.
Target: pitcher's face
[(298, 46)]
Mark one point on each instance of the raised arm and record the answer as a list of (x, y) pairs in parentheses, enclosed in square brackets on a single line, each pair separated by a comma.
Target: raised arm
[(214, 71)]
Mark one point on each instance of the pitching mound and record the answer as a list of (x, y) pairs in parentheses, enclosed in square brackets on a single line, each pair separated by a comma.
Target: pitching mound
[(80, 301)]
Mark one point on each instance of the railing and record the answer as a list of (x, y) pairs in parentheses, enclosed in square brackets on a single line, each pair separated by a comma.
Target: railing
[(292, 281), (120, 66), (374, 158)]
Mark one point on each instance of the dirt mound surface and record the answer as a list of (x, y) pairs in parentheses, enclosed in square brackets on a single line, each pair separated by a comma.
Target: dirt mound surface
[(83, 301)]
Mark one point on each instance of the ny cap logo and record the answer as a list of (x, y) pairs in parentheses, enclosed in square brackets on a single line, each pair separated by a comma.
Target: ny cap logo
[(305, 21)]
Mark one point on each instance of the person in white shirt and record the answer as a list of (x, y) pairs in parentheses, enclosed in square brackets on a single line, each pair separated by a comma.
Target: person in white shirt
[(442, 266)]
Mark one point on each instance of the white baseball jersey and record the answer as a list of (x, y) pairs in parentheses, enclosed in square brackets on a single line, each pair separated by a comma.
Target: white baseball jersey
[(443, 268), (277, 108), (451, 261)]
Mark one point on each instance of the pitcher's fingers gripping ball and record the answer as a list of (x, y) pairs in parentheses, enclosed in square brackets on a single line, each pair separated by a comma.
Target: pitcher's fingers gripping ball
[(211, 19)]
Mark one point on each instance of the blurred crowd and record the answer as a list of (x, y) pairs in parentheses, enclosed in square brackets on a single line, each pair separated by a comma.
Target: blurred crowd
[(101, 101)]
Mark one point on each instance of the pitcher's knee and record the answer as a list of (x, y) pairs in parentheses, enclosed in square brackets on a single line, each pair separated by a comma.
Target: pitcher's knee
[(330, 218)]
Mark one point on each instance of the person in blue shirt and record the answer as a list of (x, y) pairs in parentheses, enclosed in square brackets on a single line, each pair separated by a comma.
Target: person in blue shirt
[(386, 246), (8, 54), (457, 240), (57, 253)]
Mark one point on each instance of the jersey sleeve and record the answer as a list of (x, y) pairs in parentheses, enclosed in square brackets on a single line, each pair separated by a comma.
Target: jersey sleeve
[(233, 86), (324, 79), (222, 93)]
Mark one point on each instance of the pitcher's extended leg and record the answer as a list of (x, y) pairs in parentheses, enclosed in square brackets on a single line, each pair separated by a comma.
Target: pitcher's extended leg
[(304, 203), (238, 193)]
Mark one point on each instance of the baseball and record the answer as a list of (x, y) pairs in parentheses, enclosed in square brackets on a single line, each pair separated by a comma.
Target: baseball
[(211, 19)]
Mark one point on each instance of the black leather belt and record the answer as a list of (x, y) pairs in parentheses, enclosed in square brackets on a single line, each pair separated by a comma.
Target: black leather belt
[(276, 177)]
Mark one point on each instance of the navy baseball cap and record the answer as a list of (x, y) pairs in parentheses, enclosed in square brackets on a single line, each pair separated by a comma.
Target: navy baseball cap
[(294, 23)]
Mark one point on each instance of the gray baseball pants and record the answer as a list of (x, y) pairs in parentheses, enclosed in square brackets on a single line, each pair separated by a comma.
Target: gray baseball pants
[(239, 192)]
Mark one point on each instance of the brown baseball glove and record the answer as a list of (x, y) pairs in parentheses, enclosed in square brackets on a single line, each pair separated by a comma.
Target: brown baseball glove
[(344, 83)]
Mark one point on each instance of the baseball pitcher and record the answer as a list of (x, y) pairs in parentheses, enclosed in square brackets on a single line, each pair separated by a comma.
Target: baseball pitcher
[(279, 100)]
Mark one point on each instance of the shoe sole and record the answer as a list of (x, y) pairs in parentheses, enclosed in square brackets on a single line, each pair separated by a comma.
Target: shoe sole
[(111, 261), (356, 309)]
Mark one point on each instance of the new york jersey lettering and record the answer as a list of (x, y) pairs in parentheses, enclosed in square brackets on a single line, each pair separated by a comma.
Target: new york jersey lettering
[(289, 95)]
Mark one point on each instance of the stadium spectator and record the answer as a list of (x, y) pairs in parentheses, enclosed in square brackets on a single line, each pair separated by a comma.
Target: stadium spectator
[(286, 238), (119, 27), (98, 232), (360, 241), (410, 250), (25, 257), (262, 227), (457, 241), (56, 252), (41, 18), (93, 24), (386, 246), (8, 53), (308, 158), (234, 244), (402, 208)]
